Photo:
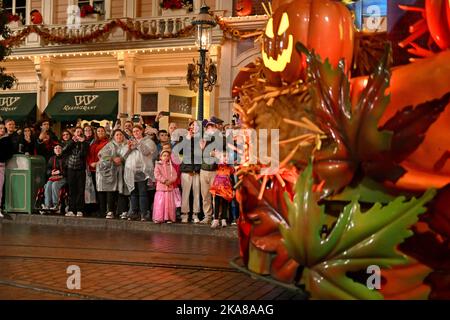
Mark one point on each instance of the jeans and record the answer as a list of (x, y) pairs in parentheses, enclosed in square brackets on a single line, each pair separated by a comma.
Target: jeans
[(189, 181), (2, 180), (234, 209), (206, 181), (220, 208), (76, 180), (52, 189), (151, 197), (139, 200), (116, 202)]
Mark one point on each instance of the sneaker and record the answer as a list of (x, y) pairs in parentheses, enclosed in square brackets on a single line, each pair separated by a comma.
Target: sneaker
[(169, 221), (123, 216), (206, 220), (1, 214), (58, 209), (70, 214), (44, 207), (234, 223), (134, 217), (110, 215), (184, 218), (79, 214), (224, 223), (195, 218), (215, 224)]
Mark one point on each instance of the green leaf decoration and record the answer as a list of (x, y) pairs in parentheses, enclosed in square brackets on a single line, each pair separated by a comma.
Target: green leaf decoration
[(367, 190), (357, 240), (356, 145), (354, 126)]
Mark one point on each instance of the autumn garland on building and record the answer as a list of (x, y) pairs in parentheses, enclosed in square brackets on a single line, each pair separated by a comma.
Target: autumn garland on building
[(6, 80), (127, 26)]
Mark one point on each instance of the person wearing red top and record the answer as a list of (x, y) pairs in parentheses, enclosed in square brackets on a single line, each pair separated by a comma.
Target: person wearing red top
[(222, 190), (92, 158), (95, 147)]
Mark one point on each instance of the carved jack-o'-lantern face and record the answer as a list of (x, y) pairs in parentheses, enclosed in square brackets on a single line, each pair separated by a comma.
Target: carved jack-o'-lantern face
[(285, 45), (323, 25)]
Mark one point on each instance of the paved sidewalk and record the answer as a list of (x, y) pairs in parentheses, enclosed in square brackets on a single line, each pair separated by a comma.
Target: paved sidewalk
[(116, 224), (117, 264)]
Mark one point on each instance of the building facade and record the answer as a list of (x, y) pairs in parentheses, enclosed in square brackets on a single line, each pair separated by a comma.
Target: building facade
[(146, 65)]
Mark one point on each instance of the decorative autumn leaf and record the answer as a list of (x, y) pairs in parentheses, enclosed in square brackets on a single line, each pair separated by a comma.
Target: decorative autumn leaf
[(264, 216), (406, 282), (354, 129), (410, 125), (356, 241), (438, 216), (355, 126), (433, 250), (358, 147), (367, 190)]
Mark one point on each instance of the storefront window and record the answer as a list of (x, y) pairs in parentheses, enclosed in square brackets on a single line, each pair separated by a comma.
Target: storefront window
[(98, 5), (149, 102), (180, 104)]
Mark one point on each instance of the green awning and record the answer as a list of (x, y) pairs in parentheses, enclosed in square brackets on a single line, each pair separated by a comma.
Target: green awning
[(86, 105), (17, 106)]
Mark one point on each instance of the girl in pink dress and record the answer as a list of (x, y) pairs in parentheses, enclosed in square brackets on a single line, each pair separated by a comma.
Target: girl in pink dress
[(164, 204)]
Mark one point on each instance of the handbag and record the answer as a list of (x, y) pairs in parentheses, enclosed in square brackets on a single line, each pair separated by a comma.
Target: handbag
[(56, 177), (89, 190)]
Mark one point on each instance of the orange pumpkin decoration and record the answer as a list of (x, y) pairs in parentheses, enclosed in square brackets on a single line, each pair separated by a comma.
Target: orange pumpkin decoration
[(413, 84), (438, 19), (323, 25), (243, 8), (435, 20), (276, 3)]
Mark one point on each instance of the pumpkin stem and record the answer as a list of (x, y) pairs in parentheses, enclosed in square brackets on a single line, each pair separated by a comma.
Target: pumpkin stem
[(302, 49)]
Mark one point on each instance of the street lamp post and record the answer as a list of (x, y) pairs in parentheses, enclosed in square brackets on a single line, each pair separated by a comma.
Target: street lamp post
[(203, 24)]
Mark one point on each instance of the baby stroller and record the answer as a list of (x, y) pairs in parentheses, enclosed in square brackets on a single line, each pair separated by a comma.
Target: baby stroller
[(60, 207)]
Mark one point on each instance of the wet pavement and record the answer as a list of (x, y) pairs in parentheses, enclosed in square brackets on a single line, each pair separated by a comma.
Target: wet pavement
[(116, 264)]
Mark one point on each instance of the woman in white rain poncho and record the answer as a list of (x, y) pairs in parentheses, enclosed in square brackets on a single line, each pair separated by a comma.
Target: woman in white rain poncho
[(113, 192), (139, 169)]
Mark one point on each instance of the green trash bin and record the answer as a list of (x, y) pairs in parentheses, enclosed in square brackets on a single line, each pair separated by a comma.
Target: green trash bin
[(24, 175)]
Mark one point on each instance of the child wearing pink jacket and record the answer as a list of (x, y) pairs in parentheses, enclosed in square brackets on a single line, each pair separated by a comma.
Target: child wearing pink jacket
[(164, 204)]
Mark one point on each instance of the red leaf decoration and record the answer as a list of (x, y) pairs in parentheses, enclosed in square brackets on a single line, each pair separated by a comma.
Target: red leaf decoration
[(264, 217)]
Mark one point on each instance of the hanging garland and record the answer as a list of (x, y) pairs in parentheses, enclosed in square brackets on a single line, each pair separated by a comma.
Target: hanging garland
[(127, 26), (235, 34), (100, 33)]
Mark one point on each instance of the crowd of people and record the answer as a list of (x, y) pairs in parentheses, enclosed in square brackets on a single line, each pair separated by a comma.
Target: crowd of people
[(133, 171)]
